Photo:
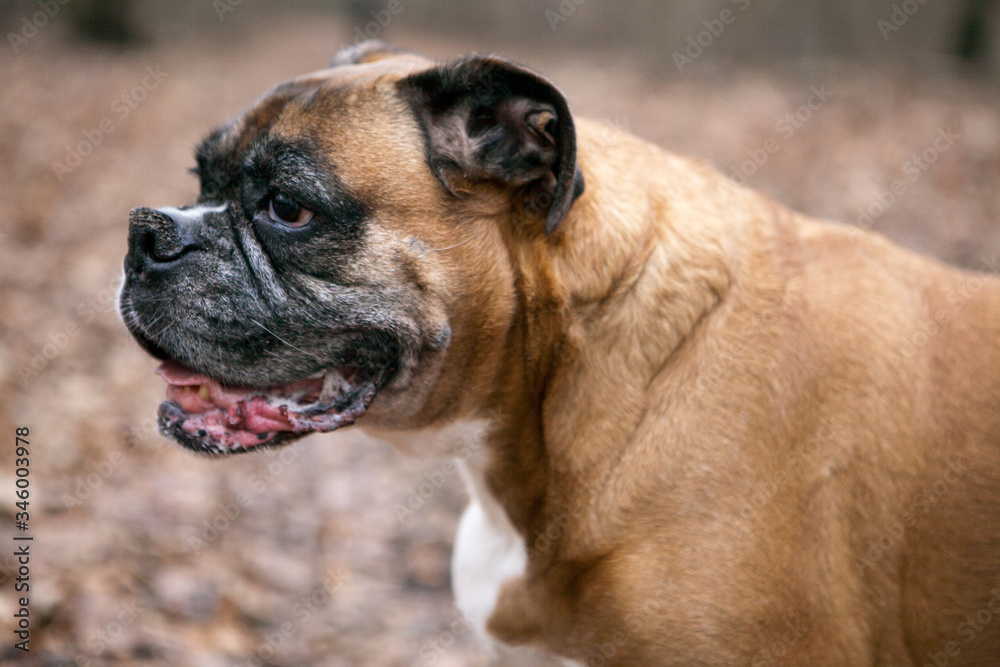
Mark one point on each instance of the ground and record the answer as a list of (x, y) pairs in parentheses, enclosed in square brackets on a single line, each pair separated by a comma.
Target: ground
[(145, 554)]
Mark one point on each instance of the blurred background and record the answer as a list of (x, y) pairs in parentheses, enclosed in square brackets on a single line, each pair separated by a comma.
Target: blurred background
[(880, 114)]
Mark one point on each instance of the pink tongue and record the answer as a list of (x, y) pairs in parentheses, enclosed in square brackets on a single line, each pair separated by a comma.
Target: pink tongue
[(242, 413)]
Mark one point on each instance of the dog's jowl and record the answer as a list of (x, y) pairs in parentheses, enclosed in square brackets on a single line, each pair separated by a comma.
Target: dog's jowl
[(696, 428)]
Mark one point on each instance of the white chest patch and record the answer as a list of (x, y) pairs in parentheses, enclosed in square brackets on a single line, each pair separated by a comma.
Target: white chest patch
[(488, 552), (488, 549)]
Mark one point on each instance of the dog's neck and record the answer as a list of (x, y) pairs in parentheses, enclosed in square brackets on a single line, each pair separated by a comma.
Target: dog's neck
[(613, 323), (611, 304)]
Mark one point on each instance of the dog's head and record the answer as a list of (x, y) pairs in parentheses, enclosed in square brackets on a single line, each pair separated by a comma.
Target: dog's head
[(351, 243)]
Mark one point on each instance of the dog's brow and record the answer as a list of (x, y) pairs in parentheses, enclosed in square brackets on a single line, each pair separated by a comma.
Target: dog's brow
[(211, 146), (271, 159)]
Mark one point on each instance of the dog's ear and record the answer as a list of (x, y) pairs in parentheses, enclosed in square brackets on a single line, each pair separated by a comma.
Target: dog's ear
[(364, 52), (485, 119)]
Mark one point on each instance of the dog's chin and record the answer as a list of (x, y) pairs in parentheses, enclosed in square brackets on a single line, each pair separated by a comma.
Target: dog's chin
[(211, 418)]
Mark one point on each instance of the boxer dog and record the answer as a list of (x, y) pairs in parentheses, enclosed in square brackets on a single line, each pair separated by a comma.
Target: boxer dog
[(705, 430)]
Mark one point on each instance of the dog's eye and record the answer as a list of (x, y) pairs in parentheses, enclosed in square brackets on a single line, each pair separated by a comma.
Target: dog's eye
[(285, 210)]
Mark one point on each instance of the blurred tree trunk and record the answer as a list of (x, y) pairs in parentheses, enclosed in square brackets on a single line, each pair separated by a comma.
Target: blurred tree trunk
[(104, 21), (979, 33)]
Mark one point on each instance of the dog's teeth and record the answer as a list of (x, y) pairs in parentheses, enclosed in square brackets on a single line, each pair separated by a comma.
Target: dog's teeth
[(333, 382), (203, 392), (328, 381)]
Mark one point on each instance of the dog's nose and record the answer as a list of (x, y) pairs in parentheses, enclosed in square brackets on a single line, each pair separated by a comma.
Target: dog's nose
[(158, 238)]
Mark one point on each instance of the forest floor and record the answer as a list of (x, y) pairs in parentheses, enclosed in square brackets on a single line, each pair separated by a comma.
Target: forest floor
[(144, 554)]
